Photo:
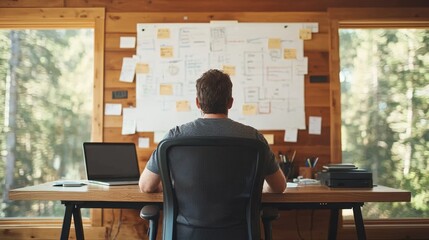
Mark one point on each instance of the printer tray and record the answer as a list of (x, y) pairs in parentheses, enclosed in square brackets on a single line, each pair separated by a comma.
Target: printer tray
[(347, 183), (346, 175)]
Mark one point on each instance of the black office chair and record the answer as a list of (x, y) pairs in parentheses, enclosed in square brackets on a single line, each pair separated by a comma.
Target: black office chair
[(212, 189)]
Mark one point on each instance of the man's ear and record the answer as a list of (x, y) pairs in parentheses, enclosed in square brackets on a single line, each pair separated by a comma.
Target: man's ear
[(197, 103), (230, 102)]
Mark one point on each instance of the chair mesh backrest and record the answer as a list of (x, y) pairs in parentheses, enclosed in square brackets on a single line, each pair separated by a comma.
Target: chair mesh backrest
[(212, 183)]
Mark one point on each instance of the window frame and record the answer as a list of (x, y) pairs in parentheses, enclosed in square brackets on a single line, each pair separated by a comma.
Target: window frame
[(65, 18), (342, 18)]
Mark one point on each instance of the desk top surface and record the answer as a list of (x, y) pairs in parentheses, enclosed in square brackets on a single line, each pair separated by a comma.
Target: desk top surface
[(131, 193)]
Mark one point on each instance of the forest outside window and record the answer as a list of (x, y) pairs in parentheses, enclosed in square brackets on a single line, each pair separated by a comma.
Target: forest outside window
[(46, 79), (385, 113), (51, 83)]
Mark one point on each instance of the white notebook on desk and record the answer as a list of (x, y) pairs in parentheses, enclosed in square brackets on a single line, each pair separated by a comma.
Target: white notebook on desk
[(111, 163)]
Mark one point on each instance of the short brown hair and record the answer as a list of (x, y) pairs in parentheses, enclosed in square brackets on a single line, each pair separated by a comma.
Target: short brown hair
[(214, 91)]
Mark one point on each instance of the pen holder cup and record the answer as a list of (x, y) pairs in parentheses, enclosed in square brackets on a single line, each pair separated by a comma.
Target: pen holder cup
[(306, 172), (287, 168)]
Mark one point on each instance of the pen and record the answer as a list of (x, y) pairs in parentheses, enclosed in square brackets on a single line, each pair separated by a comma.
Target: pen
[(308, 162), (315, 162), (282, 159), (293, 156)]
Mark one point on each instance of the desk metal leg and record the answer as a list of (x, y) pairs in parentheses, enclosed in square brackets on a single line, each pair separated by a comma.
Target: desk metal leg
[(360, 227), (72, 210), (67, 221), (333, 224), (77, 217)]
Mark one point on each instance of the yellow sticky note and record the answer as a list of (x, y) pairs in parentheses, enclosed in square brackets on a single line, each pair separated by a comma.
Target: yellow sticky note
[(229, 69), (250, 109), (142, 68), (165, 89), (269, 138), (163, 33), (305, 34), (274, 43), (289, 53), (183, 106), (166, 52)]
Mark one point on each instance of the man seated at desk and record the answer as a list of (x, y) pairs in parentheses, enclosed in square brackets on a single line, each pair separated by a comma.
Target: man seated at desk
[(214, 99)]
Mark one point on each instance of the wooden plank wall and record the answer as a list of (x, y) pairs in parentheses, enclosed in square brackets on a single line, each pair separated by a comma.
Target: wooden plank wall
[(316, 95), (121, 19)]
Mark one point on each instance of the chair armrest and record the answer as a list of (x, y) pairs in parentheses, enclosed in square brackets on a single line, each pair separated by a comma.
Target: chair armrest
[(268, 214), (151, 214)]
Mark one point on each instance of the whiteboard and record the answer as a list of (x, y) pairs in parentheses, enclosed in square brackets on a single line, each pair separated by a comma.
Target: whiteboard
[(265, 61)]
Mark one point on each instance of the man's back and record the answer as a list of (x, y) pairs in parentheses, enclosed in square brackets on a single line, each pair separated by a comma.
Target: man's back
[(215, 127)]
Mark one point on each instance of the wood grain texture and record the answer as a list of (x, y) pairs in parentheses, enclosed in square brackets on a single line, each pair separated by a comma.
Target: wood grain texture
[(198, 6), (48, 232), (49, 14), (316, 95), (31, 3), (207, 5), (98, 95), (131, 193), (238, 5), (407, 14)]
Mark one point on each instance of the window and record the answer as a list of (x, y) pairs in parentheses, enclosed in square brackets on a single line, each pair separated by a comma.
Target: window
[(384, 79), (47, 78), (61, 20)]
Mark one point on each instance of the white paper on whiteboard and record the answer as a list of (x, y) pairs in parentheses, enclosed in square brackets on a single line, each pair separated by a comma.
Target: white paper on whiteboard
[(300, 66)]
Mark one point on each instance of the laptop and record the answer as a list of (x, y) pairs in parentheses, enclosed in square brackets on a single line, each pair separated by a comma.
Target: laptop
[(111, 164)]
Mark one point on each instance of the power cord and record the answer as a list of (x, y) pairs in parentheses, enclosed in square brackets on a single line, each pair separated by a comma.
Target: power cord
[(311, 225), (297, 225), (111, 224), (119, 224)]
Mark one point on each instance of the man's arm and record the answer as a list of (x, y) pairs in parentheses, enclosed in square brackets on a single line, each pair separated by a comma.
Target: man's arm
[(150, 182), (276, 182)]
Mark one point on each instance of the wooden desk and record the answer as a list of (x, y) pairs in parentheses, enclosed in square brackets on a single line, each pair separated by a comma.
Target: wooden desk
[(302, 197)]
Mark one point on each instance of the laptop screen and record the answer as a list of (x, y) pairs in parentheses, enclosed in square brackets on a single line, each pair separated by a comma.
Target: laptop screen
[(109, 161)]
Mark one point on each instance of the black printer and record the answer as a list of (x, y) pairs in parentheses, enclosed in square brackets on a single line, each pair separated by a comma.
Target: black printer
[(345, 175)]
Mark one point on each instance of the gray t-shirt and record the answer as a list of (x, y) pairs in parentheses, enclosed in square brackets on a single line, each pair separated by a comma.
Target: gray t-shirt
[(217, 127)]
